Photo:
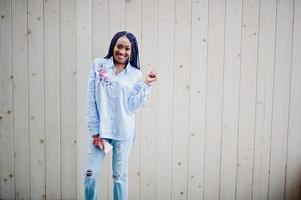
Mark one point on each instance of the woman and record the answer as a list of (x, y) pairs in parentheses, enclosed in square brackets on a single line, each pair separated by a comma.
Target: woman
[(115, 92)]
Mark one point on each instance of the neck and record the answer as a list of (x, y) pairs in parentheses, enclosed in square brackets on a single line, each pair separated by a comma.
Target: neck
[(120, 65)]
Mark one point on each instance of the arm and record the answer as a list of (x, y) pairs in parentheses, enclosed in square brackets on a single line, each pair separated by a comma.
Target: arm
[(92, 112), (138, 95)]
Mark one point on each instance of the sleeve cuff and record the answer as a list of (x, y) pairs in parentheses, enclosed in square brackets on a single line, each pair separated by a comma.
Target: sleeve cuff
[(93, 132), (144, 85)]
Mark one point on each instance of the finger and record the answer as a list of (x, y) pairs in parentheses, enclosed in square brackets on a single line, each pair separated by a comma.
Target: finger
[(96, 142), (154, 73), (151, 75), (152, 79), (100, 144), (103, 144)]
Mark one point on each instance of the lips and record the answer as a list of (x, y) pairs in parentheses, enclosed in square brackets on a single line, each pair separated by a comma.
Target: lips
[(120, 57)]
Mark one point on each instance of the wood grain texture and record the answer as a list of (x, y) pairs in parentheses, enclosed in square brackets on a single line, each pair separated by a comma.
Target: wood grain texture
[(293, 162), (197, 99), (164, 97), (36, 98), (20, 100), (232, 61), (181, 91), (83, 63), (7, 173), (52, 99), (264, 99), (281, 99), (247, 99), (68, 100), (214, 100)]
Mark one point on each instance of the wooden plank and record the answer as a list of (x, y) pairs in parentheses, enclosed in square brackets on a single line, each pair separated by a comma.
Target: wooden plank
[(230, 98), (293, 172), (281, 99), (247, 100), (148, 113), (83, 61), (100, 46), (264, 99), (181, 91), (214, 94), (36, 98), (100, 24), (20, 98), (133, 24), (116, 16), (7, 174), (164, 99), (197, 102), (68, 99), (52, 99)]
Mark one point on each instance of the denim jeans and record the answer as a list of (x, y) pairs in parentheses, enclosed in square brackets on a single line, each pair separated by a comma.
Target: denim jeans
[(121, 151)]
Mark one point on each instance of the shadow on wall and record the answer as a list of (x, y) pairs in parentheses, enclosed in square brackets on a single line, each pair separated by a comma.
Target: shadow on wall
[(294, 188)]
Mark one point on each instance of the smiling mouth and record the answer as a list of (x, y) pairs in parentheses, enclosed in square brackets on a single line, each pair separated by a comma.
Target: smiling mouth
[(120, 57)]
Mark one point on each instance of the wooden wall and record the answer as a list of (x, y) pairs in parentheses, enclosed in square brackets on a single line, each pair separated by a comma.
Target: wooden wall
[(222, 122)]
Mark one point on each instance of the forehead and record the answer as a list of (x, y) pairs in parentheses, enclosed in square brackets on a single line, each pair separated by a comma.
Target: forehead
[(123, 41)]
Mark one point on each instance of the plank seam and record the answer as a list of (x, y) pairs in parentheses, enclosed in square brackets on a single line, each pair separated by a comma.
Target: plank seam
[(289, 100), (255, 107), (273, 95), (238, 113), (222, 106), (206, 88)]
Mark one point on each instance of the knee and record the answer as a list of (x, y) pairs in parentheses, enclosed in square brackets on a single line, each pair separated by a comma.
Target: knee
[(118, 178), (89, 173)]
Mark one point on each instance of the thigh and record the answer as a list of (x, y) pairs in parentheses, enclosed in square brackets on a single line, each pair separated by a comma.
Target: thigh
[(95, 158), (121, 151)]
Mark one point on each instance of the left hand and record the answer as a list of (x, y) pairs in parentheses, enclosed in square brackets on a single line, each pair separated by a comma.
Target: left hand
[(98, 142), (151, 77)]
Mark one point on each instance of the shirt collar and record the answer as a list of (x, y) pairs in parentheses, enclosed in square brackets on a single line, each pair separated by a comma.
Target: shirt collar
[(111, 65)]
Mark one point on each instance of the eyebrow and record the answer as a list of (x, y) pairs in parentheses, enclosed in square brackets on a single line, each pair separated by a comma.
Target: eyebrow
[(123, 45)]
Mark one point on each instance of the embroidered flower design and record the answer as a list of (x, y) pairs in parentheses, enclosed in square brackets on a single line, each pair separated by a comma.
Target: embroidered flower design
[(103, 73), (103, 76)]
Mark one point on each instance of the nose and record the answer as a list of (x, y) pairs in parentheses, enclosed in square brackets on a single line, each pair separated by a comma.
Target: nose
[(122, 51)]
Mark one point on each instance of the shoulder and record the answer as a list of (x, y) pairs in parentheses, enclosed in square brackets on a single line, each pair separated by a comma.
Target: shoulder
[(98, 61)]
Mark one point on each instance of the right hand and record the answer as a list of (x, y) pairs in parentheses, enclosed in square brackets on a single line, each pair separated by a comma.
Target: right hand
[(98, 141), (151, 77)]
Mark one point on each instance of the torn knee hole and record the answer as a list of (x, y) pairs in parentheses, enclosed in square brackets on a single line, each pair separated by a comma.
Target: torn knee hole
[(116, 177), (89, 173)]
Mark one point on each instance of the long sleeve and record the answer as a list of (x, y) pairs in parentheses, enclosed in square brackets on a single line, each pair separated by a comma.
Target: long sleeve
[(92, 112), (138, 95)]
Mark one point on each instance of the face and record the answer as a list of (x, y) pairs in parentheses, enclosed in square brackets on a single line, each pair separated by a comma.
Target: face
[(122, 50)]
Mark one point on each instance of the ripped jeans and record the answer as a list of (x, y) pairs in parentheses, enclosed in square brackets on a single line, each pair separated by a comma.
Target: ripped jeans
[(121, 151)]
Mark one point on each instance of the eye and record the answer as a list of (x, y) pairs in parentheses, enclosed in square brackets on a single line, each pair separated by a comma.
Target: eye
[(119, 46), (127, 49)]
